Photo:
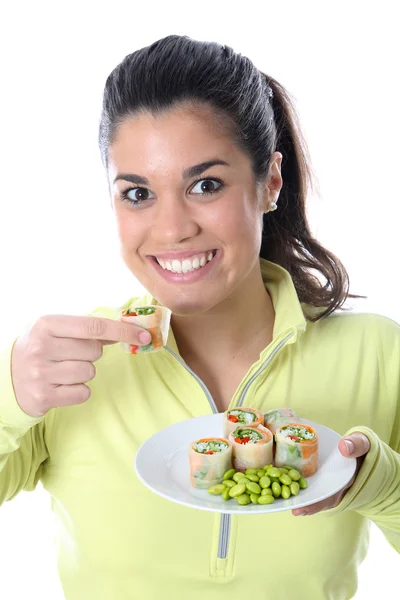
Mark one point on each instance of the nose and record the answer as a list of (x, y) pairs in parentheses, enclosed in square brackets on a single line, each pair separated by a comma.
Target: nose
[(173, 222)]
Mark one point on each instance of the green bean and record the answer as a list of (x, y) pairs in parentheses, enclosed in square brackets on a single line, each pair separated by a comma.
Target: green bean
[(275, 472), (266, 500), (216, 490), (294, 474), (264, 482), (285, 479), (225, 494), (294, 488), (243, 499), (303, 483), (253, 487), (254, 498), (250, 472), (237, 490), (266, 492), (229, 474), (285, 492), (276, 489), (228, 483)]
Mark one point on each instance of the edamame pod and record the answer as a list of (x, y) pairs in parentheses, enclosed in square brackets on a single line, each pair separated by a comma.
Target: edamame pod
[(237, 490), (303, 483), (254, 488), (216, 490), (266, 500), (228, 483), (225, 494), (243, 499), (285, 492), (254, 498), (294, 488), (229, 474), (276, 489)]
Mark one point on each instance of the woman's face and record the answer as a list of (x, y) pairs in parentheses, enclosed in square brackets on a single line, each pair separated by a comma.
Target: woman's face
[(187, 207)]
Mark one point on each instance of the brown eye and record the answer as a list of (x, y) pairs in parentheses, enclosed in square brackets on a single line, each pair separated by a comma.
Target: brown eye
[(206, 186), (137, 195)]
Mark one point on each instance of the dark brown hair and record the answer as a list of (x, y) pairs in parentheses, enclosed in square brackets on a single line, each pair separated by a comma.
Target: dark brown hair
[(263, 119)]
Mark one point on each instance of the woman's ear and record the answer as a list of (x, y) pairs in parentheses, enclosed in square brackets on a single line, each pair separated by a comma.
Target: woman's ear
[(273, 184)]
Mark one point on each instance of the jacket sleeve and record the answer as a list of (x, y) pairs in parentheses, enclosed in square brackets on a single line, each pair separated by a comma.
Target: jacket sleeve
[(22, 439), (375, 493)]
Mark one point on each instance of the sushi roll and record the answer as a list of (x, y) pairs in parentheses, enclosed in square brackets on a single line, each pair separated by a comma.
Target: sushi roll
[(209, 459), (297, 446), (252, 447), (153, 318), (236, 417), (277, 417)]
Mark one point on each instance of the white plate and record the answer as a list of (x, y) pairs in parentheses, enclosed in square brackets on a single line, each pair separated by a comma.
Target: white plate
[(162, 464)]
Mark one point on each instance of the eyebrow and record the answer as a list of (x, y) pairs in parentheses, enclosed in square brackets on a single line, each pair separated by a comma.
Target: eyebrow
[(187, 173)]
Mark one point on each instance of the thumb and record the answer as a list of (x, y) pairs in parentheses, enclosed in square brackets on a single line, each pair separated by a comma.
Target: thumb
[(355, 445)]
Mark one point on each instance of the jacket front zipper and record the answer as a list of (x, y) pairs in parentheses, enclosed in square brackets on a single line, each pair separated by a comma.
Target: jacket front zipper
[(225, 525)]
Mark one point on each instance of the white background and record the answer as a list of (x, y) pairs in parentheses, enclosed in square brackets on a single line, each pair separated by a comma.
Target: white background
[(58, 247)]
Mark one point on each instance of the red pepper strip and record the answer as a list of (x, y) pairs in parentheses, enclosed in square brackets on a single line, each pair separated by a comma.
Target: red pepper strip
[(295, 438), (245, 440), (233, 418), (238, 440), (134, 349), (208, 452)]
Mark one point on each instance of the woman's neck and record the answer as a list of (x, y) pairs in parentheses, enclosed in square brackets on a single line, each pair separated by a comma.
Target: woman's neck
[(238, 329)]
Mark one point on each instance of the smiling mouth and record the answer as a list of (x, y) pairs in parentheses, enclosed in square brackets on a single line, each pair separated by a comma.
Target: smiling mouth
[(187, 265)]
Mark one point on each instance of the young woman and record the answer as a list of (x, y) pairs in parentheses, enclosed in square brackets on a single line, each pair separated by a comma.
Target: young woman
[(208, 175)]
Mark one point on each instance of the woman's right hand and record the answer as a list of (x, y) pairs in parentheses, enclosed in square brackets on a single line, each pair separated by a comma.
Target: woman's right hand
[(51, 362)]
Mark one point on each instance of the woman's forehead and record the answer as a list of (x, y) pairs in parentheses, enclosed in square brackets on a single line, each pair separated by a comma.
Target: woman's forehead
[(179, 136)]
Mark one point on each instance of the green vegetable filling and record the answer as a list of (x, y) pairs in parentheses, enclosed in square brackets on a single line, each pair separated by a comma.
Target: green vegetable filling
[(212, 446), (253, 435), (299, 432), (243, 416)]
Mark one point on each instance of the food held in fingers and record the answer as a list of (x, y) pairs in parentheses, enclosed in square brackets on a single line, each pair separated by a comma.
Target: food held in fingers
[(241, 416), (297, 446), (277, 417), (252, 447), (209, 459), (155, 319)]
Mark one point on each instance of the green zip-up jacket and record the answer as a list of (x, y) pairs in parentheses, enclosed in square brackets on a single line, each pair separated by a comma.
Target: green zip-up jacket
[(119, 541)]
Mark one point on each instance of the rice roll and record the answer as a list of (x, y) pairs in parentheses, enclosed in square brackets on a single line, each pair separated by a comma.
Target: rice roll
[(277, 417), (297, 446), (252, 447), (209, 459), (236, 417), (153, 318)]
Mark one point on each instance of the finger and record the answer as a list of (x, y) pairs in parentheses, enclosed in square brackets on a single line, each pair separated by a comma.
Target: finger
[(312, 509), (71, 372), (66, 395), (354, 445), (97, 328), (61, 349)]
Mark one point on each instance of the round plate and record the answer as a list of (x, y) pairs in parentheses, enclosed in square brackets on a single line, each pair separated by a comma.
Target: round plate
[(162, 464)]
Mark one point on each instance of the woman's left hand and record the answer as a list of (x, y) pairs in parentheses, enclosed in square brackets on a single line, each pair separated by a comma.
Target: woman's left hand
[(356, 446)]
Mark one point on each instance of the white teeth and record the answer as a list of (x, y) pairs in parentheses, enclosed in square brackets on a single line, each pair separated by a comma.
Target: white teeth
[(187, 265), (176, 266)]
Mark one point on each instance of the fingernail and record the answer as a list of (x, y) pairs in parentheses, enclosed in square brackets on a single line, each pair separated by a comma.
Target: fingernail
[(350, 446), (144, 337), (301, 514)]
